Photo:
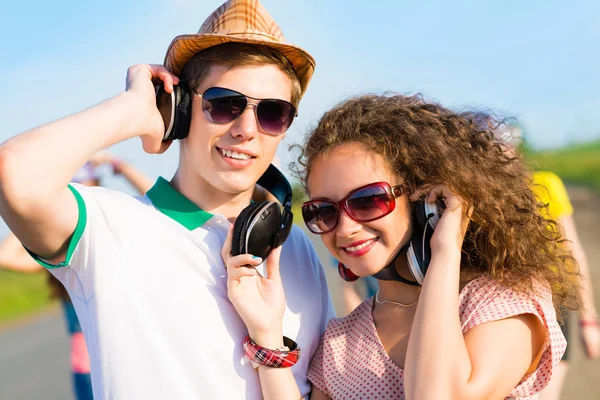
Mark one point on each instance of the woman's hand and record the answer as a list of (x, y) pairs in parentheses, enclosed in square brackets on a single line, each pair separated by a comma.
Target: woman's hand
[(452, 227), (259, 300)]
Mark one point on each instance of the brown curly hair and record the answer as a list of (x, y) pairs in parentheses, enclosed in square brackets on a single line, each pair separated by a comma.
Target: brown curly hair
[(426, 143)]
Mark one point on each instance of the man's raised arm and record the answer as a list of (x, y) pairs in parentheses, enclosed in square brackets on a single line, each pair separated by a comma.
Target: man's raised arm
[(36, 166)]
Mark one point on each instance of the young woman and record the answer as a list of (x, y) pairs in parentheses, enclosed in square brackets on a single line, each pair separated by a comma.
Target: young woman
[(482, 323)]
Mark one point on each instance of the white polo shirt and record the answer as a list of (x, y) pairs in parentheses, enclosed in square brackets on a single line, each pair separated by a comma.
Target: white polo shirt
[(149, 286)]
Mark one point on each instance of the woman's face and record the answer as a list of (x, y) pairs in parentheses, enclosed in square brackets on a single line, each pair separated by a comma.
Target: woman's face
[(364, 247)]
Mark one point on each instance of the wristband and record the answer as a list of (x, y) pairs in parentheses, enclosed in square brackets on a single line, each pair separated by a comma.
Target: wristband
[(116, 165), (284, 357), (588, 322)]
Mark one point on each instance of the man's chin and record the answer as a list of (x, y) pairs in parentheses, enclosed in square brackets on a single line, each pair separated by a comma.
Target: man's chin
[(234, 184)]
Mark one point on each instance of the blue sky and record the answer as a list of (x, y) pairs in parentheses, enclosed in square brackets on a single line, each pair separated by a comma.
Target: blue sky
[(536, 60)]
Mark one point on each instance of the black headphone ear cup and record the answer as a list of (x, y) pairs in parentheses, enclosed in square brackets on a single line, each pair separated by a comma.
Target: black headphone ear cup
[(183, 111), (176, 110), (287, 220), (419, 251), (240, 228)]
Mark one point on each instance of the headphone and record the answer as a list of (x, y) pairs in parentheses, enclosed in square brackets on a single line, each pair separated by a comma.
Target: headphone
[(261, 226), (425, 217), (175, 109)]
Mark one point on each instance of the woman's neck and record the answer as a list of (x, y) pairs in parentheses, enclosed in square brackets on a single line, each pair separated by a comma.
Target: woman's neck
[(397, 291)]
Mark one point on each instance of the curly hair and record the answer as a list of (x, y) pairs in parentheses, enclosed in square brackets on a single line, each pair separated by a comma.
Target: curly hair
[(426, 143)]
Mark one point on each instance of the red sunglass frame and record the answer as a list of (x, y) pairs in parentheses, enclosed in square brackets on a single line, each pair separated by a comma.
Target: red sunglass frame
[(393, 193)]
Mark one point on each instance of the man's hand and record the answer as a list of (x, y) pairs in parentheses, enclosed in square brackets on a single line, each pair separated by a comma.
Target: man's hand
[(140, 83)]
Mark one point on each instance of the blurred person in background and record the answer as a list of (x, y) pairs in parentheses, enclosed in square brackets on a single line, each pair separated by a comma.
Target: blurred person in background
[(14, 257), (354, 293), (551, 192)]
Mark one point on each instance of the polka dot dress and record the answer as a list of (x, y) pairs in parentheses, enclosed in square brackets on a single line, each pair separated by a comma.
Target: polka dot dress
[(351, 362)]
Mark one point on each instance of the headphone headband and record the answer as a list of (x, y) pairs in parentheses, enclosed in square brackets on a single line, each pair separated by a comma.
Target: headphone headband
[(276, 183)]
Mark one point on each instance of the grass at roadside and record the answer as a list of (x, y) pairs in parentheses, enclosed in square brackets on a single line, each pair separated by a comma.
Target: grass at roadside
[(578, 164), (21, 294)]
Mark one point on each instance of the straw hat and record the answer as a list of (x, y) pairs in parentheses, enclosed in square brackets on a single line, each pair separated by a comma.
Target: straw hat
[(239, 21)]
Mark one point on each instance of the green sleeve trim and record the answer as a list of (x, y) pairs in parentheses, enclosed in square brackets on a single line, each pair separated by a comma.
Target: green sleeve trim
[(74, 241)]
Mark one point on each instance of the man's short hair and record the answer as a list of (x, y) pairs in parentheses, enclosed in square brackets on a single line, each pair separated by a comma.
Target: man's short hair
[(232, 55)]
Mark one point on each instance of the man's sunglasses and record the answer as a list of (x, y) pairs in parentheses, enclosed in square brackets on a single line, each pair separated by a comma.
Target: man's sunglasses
[(364, 204), (222, 106)]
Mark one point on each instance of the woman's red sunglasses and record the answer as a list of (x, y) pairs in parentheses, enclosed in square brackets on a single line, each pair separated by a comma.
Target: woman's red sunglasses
[(367, 203)]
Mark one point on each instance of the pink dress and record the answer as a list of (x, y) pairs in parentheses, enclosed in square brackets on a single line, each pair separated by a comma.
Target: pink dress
[(351, 363)]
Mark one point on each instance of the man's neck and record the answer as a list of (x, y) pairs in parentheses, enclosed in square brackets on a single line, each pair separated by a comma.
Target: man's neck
[(210, 199)]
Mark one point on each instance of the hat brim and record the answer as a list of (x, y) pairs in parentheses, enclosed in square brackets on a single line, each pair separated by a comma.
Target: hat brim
[(184, 47)]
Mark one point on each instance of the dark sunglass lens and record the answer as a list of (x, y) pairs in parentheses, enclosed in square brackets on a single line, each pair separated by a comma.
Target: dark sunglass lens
[(370, 203), (222, 105), (275, 116), (319, 216)]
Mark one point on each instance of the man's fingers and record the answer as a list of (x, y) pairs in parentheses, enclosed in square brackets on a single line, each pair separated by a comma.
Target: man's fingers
[(165, 76), (153, 71), (164, 145)]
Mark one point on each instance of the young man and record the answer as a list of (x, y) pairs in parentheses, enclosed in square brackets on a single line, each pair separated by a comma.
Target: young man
[(145, 274)]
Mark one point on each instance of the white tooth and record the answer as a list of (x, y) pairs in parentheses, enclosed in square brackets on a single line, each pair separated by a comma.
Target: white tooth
[(235, 154), (240, 156), (360, 246)]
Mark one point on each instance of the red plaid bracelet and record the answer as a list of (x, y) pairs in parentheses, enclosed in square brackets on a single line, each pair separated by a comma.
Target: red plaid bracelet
[(283, 357)]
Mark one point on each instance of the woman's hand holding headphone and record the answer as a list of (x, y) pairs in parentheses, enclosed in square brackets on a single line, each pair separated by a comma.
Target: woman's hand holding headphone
[(140, 87), (259, 300), (454, 221)]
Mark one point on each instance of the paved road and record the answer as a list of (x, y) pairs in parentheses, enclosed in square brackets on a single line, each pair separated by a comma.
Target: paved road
[(35, 364)]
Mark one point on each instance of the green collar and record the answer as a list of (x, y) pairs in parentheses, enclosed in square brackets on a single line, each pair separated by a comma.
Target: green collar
[(176, 206)]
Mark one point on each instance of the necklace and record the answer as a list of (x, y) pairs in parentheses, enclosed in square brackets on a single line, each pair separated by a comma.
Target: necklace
[(393, 302)]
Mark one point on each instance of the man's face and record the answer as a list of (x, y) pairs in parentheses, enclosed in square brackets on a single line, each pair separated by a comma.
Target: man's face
[(208, 153)]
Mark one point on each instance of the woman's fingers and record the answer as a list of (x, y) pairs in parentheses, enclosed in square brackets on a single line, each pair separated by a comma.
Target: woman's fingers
[(242, 265), (432, 193), (234, 274), (243, 260), (226, 249), (420, 192), (273, 264)]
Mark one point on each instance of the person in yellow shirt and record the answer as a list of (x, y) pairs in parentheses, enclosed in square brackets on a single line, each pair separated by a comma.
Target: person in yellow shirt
[(550, 190)]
